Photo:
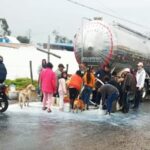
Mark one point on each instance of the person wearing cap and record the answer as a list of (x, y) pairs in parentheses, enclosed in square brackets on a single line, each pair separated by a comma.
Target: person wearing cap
[(128, 88), (140, 79), (3, 70)]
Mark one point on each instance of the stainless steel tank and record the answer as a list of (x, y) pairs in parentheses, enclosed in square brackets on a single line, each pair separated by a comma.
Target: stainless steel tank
[(100, 43)]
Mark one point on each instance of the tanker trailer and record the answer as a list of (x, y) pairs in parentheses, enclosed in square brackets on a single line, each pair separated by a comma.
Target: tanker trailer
[(99, 43)]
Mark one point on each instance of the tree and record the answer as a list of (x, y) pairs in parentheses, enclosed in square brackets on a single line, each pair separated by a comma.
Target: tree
[(59, 38), (55, 32), (4, 28), (23, 39)]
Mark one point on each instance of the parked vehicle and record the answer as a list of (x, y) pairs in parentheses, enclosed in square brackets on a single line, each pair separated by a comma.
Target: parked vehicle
[(3, 98), (102, 43)]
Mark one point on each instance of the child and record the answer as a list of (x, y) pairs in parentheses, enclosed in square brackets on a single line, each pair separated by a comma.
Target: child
[(62, 90)]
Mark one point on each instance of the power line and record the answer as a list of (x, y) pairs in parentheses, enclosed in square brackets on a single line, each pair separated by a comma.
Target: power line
[(105, 7), (108, 14)]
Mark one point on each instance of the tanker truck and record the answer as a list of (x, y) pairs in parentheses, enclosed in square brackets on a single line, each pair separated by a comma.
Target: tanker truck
[(99, 43)]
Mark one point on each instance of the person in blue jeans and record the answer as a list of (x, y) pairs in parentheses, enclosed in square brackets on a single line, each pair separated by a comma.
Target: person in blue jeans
[(89, 83), (86, 95), (109, 94)]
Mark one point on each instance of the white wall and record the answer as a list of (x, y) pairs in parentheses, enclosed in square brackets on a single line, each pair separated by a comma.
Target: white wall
[(17, 61)]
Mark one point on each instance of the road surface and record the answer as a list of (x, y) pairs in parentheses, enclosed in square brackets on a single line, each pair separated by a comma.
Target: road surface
[(34, 129)]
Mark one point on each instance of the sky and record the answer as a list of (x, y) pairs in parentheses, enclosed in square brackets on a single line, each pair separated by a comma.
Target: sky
[(41, 17)]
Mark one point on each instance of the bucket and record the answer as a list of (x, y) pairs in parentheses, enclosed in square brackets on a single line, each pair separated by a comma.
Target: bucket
[(12, 94), (67, 107), (12, 88)]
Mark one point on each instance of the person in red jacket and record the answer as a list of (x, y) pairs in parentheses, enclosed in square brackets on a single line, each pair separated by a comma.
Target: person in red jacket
[(48, 85), (74, 85)]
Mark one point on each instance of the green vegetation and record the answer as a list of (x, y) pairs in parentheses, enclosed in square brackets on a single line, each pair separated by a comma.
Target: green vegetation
[(60, 39), (21, 83), (4, 27), (23, 39)]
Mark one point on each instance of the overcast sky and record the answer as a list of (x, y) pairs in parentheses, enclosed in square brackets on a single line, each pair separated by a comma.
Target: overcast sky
[(41, 17)]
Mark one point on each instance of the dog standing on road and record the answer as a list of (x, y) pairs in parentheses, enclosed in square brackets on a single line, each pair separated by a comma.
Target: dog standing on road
[(78, 104), (25, 95)]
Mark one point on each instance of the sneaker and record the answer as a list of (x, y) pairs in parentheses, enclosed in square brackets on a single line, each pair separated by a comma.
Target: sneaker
[(49, 110), (44, 108)]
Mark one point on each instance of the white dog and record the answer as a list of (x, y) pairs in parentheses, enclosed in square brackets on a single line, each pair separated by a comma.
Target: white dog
[(25, 95)]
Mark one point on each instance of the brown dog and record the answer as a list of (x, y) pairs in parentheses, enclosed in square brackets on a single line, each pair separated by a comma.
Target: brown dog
[(25, 95), (78, 104)]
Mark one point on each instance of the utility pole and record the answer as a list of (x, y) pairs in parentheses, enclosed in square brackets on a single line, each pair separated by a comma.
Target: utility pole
[(31, 71), (29, 34), (48, 48)]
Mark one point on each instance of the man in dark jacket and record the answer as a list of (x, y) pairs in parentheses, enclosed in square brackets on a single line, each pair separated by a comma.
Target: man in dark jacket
[(104, 71), (3, 71), (101, 75), (128, 88)]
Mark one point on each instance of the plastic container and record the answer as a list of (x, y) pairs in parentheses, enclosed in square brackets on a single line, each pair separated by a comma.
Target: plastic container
[(67, 107), (13, 94)]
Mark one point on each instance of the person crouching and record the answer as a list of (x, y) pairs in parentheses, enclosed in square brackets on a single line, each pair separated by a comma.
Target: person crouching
[(109, 94)]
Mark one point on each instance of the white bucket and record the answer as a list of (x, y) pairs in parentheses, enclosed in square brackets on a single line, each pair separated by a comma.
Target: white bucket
[(13, 95), (67, 107), (12, 88)]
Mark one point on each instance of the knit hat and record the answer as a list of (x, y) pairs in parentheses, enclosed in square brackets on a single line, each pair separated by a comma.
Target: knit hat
[(140, 64), (126, 70)]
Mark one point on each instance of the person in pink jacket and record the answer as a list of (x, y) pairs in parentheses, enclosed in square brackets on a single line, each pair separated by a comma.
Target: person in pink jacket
[(48, 85)]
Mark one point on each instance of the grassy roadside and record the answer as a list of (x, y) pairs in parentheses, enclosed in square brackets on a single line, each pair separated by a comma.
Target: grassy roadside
[(21, 83)]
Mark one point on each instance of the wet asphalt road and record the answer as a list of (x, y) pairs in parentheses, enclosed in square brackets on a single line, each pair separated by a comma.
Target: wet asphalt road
[(34, 129)]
